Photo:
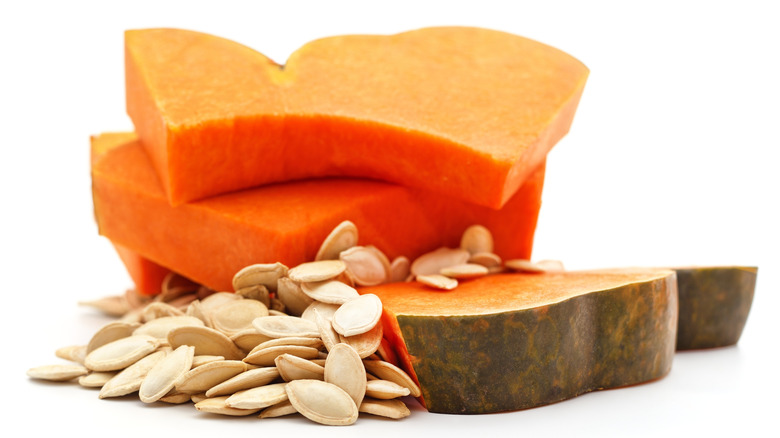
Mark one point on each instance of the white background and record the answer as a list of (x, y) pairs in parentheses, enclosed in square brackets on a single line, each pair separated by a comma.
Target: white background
[(671, 161)]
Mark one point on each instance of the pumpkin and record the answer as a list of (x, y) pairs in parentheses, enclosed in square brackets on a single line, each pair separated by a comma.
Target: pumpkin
[(465, 112)]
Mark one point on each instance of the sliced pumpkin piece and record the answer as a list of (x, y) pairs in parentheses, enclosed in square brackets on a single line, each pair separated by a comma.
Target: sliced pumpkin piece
[(465, 112), (514, 341), (210, 240), (147, 275)]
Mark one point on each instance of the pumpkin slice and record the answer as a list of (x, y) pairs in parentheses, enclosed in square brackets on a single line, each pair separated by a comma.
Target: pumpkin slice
[(466, 112), (209, 241), (515, 341), (714, 305), (147, 275)]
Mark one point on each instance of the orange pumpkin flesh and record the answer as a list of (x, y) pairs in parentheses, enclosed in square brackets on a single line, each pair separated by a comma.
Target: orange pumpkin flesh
[(465, 112), (210, 240)]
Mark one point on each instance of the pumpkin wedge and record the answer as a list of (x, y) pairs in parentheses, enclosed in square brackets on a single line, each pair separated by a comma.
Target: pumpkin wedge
[(209, 241), (714, 305), (465, 112), (516, 341)]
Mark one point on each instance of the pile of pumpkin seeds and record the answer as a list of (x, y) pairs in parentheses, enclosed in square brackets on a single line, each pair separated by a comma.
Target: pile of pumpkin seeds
[(284, 341)]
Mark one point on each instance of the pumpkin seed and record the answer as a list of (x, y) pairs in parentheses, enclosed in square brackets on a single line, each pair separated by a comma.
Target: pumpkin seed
[(205, 377), (266, 356), (522, 265), (317, 271), (73, 353), (218, 405), (290, 293), (160, 327), (96, 379), (465, 271), (330, 291), (343, 237), (204, 359), (257, 292), (281, 326), (249, 339), (395, 409), (550, 265), (322, 402), (247, 379), (109, 333), (175, 397), (367, 265), (477, 239), (278, 410), (358, 315), (400, 268), (156, 310), (258, 398), (388, 371), (326, 310), (165, 374), (115, 305), (58, 373), (365, 343), (129, 379), (344, 368), (293, 368), (433, 262), (327, 333), (486, 259), (266, 274), (206, 341), (120, 353), (236, 316), (290, 340), (438, 281), (385, 389)]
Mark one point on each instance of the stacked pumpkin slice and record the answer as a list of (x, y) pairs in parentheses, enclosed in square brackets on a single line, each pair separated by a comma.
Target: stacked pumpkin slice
[(413, 137)]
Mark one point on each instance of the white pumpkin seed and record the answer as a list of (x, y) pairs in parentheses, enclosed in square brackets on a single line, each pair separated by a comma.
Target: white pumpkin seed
[(522, 265), (257, 292), (110, 333), (317, 271), (387, 371), (486, 259), (265, 357), (367, 265), (58, 373), (129, 379), (236, 316), (290, 293), (175, 397), (266, 274), (205, 377), (357, 316), (156, 310), (204, 359), (246, 380), (163, 376), (385, 389), (328, 335), (96, 379), (278, 410), (550, 265), (477, 239), (345, 369), (433, 262), (395, 409), (160, 327), (293, 368), (438, 281), (206, 341), (464, 271), (322, 402), (218, 405), (343, 237), (326, 311), (249, 339), (365, 343), (73, 353), (400, 268), (330, 291), (120, 353), (281, 326), (258, 398)]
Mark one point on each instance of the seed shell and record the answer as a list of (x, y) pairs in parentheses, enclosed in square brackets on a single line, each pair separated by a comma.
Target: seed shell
[(343, 237), (322, 402), (121, 353), (58, 373), (258, 398), (395, 409), (344, 368), (357, 316), (247, 379), (218, 405), (129, 379)]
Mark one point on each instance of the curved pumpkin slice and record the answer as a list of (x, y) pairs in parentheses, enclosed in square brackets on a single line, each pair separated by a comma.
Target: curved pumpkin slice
[(465, 112), (515, 341), (210, 240)]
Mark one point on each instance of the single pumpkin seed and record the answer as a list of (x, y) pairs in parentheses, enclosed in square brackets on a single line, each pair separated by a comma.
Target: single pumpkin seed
[(115, 305), (317, 271), (357, 316), (477, 239), (328, 335), (387, 371), (465, 271), (160, 327), (58, 373), (329, 291), (73, 353), (258, 398), (206, 341), (236, 316), (218, 405), (205, 377), (550, 265), (120, 353), (365, 343), (433, 262), (281, 326), (266, 274), (265, 357), (290, 340), (257, 292), (385, 389), (204, 359), (395, 409), (278, 410), (522, 265), (165, 374), (486, 259), (129, 379), (249, 338), (343, 237), (294, 368), (322, 402), (156, 310), (290, 293), (367, 265), (400, 268), (438, 281), (110, 333), (345, 369), (96, 379), (246, 380), (326, 310), (175, 397)]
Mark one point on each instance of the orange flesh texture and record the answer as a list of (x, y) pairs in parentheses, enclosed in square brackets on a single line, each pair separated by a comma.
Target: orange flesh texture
[(489, 295), (209, 241), (465, 112)]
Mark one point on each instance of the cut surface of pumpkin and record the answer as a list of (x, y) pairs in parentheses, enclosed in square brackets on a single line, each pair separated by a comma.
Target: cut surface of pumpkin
[(466, 112), (209, 241), (515, 341)]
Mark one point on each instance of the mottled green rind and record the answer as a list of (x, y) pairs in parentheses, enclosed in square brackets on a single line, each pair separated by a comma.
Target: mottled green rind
[(533, 357), (714, 305)]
